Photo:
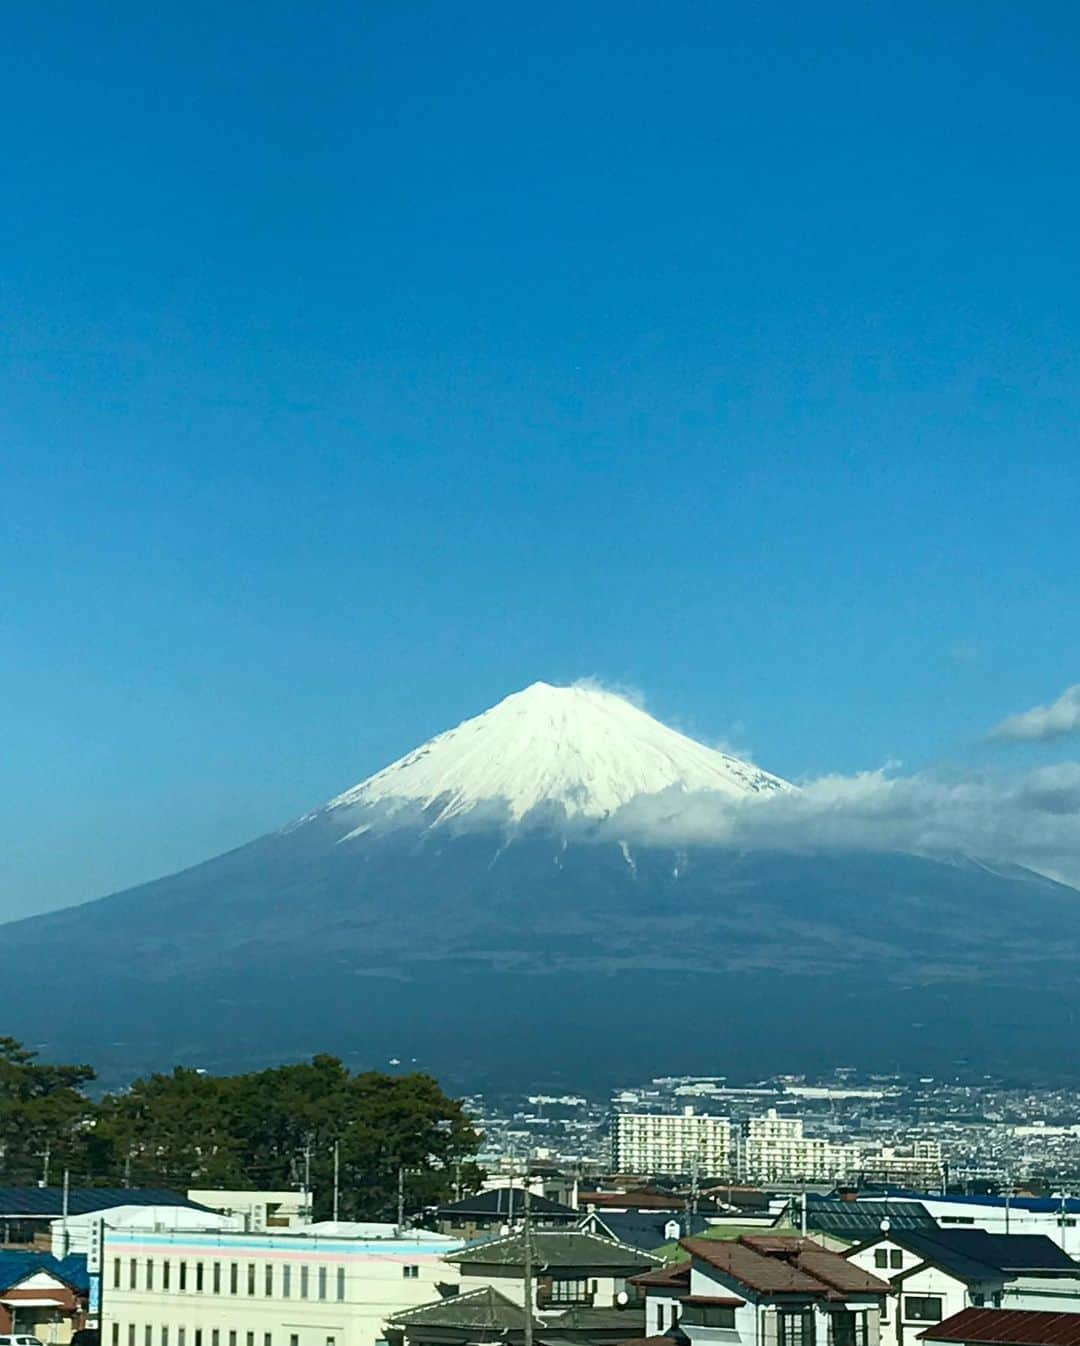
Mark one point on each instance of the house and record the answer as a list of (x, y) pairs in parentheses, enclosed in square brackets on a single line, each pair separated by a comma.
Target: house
[(850, 1222), (764, 1290), (1004, 1327), (1056, 1217), (936, 1273), (648, 1230), (42, 1296), (291, 1288), (582, 1292), (493, 1211)]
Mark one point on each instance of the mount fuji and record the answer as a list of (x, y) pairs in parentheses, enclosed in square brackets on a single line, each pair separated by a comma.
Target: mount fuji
[(498, 907)]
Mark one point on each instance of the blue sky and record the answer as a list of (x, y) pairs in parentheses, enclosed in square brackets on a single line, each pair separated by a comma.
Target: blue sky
[(360, 364)]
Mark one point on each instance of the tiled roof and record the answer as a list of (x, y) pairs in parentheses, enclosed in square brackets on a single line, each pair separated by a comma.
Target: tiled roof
[(16, 1266), (484, 1310), (779, 1265), (1008, 1327), (676, 1275), (503, 1201), (641, 1200), (556, 1248)]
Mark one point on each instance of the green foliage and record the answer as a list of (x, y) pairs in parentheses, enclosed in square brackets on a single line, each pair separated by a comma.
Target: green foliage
[(260, 1130)]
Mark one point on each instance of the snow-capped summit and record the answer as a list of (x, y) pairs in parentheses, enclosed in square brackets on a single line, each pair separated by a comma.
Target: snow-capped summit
[(585, 749)]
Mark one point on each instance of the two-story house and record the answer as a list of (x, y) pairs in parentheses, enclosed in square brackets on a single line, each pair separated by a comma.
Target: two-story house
[(937, 1273), (764, 1290), (582, 1290)]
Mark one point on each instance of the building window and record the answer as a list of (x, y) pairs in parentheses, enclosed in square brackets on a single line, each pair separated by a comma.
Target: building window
[(558, 1292), (322, 1282), (215, 1337), (294, 1339), (847, 1328), (250, 1339), (922, 1308), (166, 1273), (303, 1282), (709, 1315), (331, 1341), (268, 1279), (659, 1317), (181, 1333), (341, 1283), (251, 1278), (215, 1278), (199, 1277), (232, 1339), (896, 1259), (234, 1277), (881, 1257), (149, 1273), (116, 1273), (198, 1336), (286, 1281), (164, 1336), (116, 1333), (131, 1334), (796, 1327), (182, 1276), (132, 1276), (268, 1339), (411, 1273), (148, 1335)]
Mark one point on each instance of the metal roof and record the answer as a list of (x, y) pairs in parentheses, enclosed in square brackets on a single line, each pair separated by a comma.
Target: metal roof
[(1008, 1327), (48, 1202)]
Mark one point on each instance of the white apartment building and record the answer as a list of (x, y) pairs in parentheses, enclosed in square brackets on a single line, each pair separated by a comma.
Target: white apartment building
[(288, 1289), (671, 1142), (775, 1149), (919, 1164)]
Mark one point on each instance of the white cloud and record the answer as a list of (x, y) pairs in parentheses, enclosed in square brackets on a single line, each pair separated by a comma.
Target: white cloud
[(1059, 718), (1031, 819)]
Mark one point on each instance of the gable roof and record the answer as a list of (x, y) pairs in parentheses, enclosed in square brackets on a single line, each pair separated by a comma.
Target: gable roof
[(555, 1248), (782, 1265), (642, 1199), (485, 1310), (676, 1275), (976, 1255), (862, 1219), (45, 1202), (17, 1265), (641, 1230), (1008, 1327), (503, 1201)]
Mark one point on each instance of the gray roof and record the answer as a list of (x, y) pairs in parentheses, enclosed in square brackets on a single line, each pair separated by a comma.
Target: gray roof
[(484, 1310), (555, 1248), (503, 1201), (862, 1219), (644, 1229)]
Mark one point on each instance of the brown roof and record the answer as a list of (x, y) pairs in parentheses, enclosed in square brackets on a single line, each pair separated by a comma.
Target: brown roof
[(675, 1274), (774, 1264), (1008, 1327), (725, 1301)]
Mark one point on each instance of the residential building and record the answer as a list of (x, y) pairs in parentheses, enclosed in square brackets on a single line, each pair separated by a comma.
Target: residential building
[(937, 1273), (919, 1164), (285, 1289), (497, 1210), (775, 1149), (582, 1291), (1004, 1327), (650, 1231), (1057, 1217), (671, 1142), (764, 1290), (857, 1221), (42, 1296)]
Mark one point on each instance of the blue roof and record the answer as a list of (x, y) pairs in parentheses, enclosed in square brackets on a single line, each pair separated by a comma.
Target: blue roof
[(17, 1265), (1043, 1204), (48, 1202)]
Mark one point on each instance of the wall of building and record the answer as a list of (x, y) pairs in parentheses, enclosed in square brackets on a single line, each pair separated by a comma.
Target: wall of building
[(287, 1290)]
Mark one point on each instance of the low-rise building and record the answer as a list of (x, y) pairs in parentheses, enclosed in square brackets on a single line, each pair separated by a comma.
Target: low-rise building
[(286, 1289), (761, 1290), (582, 1292), (937, 1273), (27, 1213), (257, 1210), (1004, 1327), (42, 1296), (492, 1212)]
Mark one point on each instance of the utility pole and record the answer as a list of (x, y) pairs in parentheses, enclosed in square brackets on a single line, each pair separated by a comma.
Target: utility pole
[(45, 1165), (337, 1175), (401, 1198), (64, 1215), (692, 1198), (527, 1269), (307, 1177)]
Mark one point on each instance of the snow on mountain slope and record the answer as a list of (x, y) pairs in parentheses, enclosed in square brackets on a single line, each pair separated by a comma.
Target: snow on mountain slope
[(587, 750)]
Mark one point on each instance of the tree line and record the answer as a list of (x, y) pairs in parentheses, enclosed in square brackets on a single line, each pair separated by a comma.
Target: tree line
[(394, 1134)]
